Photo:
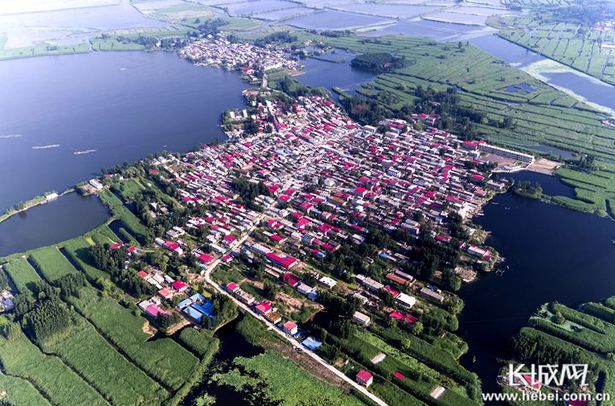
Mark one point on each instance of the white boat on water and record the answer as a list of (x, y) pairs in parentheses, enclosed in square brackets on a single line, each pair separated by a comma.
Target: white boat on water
[(87, 151), (46, 146)]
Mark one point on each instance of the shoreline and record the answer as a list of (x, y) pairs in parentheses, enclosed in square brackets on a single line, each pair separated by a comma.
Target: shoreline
[(34, 202)]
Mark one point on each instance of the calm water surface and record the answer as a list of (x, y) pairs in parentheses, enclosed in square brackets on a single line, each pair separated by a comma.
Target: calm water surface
[(552, 253), (333, 70), (60, 220), (63, 118)]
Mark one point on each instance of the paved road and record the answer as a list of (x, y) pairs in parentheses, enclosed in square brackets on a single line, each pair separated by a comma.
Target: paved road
[(291, 340)]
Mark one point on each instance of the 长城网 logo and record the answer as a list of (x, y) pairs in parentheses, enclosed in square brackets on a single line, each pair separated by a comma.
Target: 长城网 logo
[(533, 375)]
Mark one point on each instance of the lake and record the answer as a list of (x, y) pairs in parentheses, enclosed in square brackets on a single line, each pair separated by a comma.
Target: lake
[(63, 118), (333, 69), (552, 253), (67, 217)]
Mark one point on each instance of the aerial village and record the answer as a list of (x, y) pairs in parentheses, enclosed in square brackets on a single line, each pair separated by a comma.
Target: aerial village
[(289, 211)]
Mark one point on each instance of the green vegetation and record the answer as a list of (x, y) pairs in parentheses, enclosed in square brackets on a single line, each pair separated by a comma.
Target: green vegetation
[(198, 341), (51, 264), (129, 220), (378, 62), (120, 381), (566, 33), (558, 334), (531, 190), (270, 377), (18, 391), (48, 374), (163, 358), (21, 273)]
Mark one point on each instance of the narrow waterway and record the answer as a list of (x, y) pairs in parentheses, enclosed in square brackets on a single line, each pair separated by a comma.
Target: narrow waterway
[(232, 345), (552, 253)]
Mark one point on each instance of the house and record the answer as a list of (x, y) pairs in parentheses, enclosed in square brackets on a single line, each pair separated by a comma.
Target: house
[(263, 307), (364, 378), (437, 392), (205, 259), (327, 282), (406, 301), (290, 328), (173, 247), (231, 287), (431, 294), (95, 184), (166, 293), (273, 317), (311, 343), (291, 279), (285, 261), (179, 286), (361, 319), (305, 290), (361, 298)]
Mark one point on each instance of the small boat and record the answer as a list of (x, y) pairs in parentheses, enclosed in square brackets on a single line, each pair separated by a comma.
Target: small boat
[(46, 146), (87, 151)]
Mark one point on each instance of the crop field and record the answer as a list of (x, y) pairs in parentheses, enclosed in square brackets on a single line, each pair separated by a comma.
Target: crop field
[(122, 213), (572, 44), (76, 251), (421, 378), (48, 374), (18, 391), (274, 375), (116, 378), (21, 273), (128, 189), (51, 263), (580, 336), (165, 360), (198, 341), (542, 116)]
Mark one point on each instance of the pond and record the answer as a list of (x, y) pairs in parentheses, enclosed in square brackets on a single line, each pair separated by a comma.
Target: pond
[(67, 217)]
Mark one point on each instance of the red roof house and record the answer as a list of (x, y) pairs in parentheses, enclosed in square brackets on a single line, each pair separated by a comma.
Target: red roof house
[(290, 327), (364, 378), (179, 286), (263, 307)]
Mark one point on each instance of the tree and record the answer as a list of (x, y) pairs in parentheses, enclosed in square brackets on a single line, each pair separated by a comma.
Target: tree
[(270, 289), (417, 328)]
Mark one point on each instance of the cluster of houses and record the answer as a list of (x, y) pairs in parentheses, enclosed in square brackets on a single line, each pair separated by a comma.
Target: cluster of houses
[(248, 58), (327, 180), (167, 289)]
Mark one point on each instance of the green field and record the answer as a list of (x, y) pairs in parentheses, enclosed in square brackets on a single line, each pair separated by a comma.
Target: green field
[(570, 43), (282, 382), (21, 273), (48, 374), (163, 359), (51, 263), (119, 211), (115, 377), (18, 391)]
